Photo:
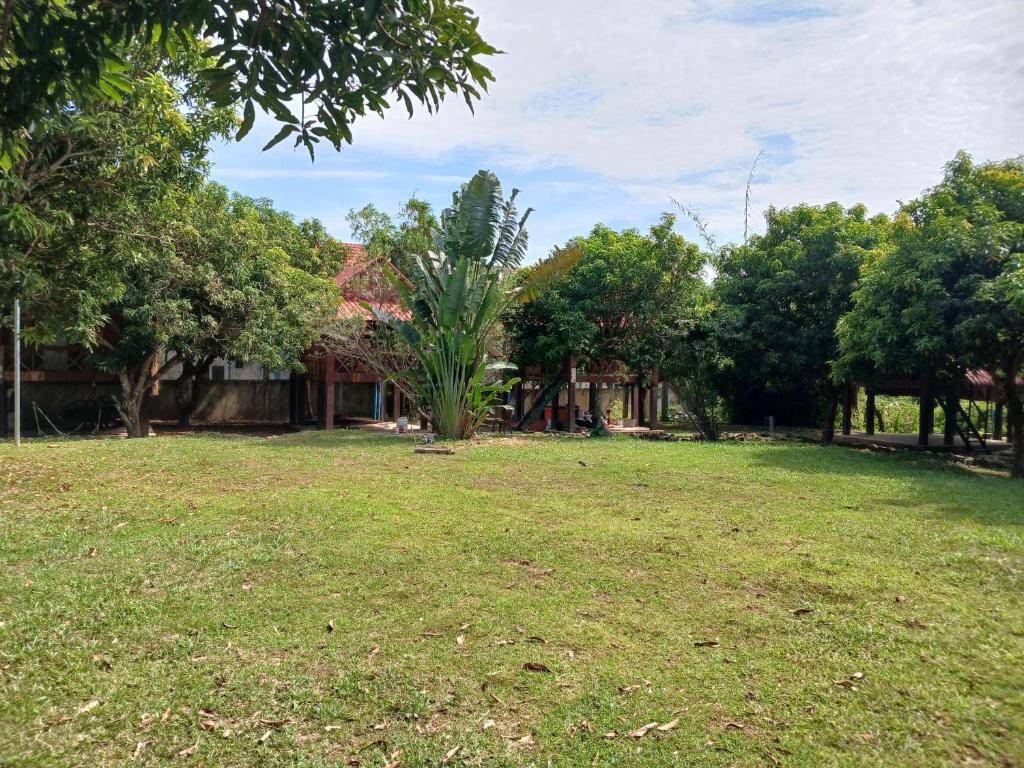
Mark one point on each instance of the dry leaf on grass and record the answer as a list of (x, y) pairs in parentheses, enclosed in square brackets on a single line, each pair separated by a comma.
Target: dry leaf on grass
[(451, 753), (88, 707), (668, 726), (460, 639), (801, 611), (189, 751), (395, 760), (640, 732), (536, 666), (373, 652), (635, 687), (265, 736), (707, 643), (612, 735), (139, 746), (734, 726)]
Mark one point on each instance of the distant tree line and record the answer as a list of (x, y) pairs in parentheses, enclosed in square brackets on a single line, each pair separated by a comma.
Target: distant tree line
[(824, 298)]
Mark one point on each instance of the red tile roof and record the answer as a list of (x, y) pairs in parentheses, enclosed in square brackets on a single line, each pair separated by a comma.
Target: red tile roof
[(373, 288)]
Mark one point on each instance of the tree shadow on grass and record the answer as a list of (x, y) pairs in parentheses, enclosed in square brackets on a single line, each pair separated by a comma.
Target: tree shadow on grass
[(919, 480)]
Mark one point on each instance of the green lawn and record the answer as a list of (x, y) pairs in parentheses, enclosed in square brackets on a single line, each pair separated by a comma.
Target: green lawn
[(332, 599)]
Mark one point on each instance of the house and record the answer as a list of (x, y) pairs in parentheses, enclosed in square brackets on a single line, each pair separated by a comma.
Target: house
[(59, 384)]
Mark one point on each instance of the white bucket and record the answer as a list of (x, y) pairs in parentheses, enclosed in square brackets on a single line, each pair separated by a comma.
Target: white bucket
[(403, 424)]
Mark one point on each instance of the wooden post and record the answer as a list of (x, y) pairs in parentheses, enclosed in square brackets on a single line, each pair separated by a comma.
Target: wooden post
[(519, 401), (329, 391), (997, 422), (634, 403), (625, 401), (924, 416), (848, 393), (869, 412), (396, 405), (664, 401), (554, 407), (570, 406), (653, 394), (332, 377), (321, 404), (952, 400)]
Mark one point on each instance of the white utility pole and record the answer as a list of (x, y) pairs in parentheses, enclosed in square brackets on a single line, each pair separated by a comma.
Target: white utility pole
[(17, 372)]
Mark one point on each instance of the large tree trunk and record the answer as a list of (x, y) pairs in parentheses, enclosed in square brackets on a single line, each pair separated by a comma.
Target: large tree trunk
[(828, 430), (189, 387), (134, 387), (600, 405)]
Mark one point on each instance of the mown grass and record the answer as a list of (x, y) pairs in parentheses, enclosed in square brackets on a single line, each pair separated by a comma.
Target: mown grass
[(170, 601)]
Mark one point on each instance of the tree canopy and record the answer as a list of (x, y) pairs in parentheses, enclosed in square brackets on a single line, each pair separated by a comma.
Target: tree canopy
[(223, 279), (314, 66), (615, 304), (72, 206), (950, 295), (780, 296), (400, 238)]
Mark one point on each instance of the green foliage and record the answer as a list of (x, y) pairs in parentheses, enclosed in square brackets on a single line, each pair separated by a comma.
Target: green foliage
[(455, 300), (780, 297), (220, 280), (72, 208), (631, 298), (397, 241), (616, 304), (338, 60), (950, 296)]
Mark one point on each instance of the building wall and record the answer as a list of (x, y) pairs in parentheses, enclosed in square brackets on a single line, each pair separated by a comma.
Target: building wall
[(354, 400)]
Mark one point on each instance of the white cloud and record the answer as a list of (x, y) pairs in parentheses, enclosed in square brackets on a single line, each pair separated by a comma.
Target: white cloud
[(666, 99)]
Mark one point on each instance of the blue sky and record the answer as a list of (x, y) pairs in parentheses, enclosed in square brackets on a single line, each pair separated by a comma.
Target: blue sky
[(607, 112)]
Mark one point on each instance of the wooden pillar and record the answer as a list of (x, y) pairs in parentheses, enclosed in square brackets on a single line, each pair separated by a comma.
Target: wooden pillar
[(869, 412), (518, 401), (950, 403), (653, 394), (625, 401), (634, 402), (570, 406), (554, 407), (664, 401), (329, 404), (321, 404), (396, 404), (924, 416), (997, 422), (848, 393)]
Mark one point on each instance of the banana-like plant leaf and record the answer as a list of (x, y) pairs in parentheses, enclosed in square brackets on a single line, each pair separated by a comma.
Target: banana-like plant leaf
[(538, 277)]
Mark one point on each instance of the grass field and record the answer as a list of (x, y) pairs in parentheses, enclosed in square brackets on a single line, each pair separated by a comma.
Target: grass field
[(325, 599)]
